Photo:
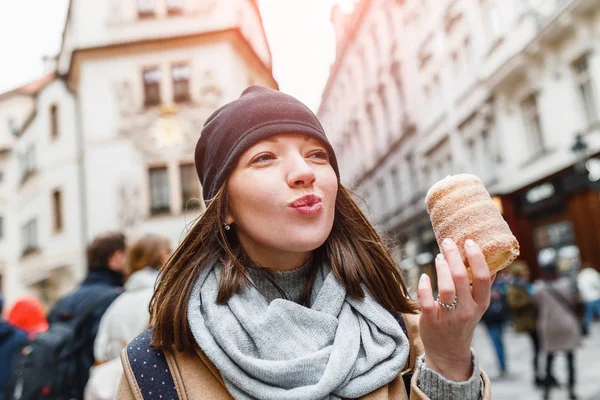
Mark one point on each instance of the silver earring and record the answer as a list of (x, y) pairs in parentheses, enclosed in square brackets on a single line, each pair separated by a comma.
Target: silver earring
[(227, 226)]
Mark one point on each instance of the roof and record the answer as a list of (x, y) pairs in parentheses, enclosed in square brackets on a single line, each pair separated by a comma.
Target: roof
[(32, 88)]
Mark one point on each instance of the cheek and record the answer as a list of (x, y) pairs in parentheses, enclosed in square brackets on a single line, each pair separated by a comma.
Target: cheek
[(249, 198), (330, 187)]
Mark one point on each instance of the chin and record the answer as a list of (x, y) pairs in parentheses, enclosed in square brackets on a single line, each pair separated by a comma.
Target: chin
[(307, 241)]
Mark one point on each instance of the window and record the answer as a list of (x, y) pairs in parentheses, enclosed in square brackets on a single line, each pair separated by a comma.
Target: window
[(57, 210), (397, 75), (473, 156), (54, 127), (160, 199), (469, 56), (489, 154), (383, 204), (371, 117), (381, 92), (426, 176), (29, 240), (394, 185), (531, 119), (151, 86), (410, 166), (180, 73), (427, 92), (456, 67), (146, 8), (174, 7), (585, 85), (27, 163), (437, 89), (190, 191)]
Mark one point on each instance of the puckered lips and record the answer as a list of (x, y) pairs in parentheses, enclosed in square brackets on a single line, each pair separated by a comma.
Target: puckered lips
[(309, 204)]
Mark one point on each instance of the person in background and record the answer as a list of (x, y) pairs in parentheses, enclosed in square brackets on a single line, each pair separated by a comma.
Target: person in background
[(102, 285), (523, 310), (28, 315), (11, 341), (588, 284), (496, 317), (127, 316), (558, 326)]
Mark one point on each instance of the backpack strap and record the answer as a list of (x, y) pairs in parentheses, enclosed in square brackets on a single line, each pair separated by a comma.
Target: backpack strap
[(150, 368)]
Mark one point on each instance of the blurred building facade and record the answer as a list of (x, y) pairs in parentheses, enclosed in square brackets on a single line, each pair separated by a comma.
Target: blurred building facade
[(503, 89), (105, 141)]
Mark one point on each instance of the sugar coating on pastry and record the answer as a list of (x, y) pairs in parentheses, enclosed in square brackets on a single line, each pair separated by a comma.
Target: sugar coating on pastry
[(461, 208)]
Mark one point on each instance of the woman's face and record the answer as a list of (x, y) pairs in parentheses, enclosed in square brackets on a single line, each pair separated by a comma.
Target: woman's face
[(282, 196)]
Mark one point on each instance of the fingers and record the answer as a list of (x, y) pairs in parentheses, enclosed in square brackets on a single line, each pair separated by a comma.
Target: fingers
[(446, 290), (457, 269), (425, 294), (480, 272)]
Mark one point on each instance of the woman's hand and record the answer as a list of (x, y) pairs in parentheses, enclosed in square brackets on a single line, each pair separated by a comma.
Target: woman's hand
[(447, 334)]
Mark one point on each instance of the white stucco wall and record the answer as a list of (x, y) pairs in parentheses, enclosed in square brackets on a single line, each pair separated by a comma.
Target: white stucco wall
[(476, 94), (56, 161)]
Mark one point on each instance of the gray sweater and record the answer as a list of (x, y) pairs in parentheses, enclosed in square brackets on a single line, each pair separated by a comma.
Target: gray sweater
[(434, 385)]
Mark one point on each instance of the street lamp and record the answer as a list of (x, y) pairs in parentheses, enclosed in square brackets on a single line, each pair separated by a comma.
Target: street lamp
[(580, 149), (584, 164)]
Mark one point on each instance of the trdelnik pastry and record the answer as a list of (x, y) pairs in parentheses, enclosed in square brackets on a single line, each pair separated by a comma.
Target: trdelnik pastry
[(461, 208)]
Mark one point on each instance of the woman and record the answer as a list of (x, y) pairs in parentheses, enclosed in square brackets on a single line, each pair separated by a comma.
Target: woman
[(558, 325), (283, 290), (524, 313), (127, 316)]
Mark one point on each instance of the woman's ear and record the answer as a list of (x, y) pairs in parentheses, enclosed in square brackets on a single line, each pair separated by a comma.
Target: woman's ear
[(228, 217)]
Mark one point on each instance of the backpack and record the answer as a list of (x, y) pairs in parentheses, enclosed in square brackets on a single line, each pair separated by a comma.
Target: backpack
[(153, 374), (49, 366)]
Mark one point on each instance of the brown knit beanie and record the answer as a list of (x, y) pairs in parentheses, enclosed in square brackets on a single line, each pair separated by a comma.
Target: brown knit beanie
[(259, 113)]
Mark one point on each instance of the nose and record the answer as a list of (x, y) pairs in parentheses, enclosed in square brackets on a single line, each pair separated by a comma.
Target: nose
[(300, 173)]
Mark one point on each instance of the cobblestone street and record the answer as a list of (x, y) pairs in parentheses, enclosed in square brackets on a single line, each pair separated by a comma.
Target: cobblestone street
[(519, 383)]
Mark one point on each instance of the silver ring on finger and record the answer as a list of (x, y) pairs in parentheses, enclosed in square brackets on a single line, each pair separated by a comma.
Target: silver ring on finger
[(448, 306)]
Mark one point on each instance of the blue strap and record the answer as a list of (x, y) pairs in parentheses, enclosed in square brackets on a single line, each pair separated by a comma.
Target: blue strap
[(150, 368)]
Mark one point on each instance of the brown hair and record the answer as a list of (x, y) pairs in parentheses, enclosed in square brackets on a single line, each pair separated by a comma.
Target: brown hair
[(354, 251), (147, 251), (102, 249)]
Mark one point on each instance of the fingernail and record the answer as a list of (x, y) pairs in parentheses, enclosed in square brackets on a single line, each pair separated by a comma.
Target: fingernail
[(447, 242), (440, 257), (470, 243), (424, 277)]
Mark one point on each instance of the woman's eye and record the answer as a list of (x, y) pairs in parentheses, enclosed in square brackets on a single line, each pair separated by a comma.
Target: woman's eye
[(320, 155), (261, 158)]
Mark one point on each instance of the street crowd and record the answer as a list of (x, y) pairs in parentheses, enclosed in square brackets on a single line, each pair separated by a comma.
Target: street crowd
[(555, 312)]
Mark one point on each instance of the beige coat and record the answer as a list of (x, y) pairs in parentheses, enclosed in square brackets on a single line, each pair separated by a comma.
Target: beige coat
[(558, 328), (196, 377)]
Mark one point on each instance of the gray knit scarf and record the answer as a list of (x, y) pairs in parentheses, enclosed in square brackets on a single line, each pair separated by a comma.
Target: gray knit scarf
[(280, 350)]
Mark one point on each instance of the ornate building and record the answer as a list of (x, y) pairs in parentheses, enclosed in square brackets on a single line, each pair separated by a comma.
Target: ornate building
[(499, 88), (105, 141)]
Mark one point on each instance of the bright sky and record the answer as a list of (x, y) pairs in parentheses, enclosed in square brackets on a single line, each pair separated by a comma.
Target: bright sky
[(299, 32)]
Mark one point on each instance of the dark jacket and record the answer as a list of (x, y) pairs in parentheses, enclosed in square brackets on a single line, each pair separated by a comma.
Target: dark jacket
[(11, 340), (98, 283)]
